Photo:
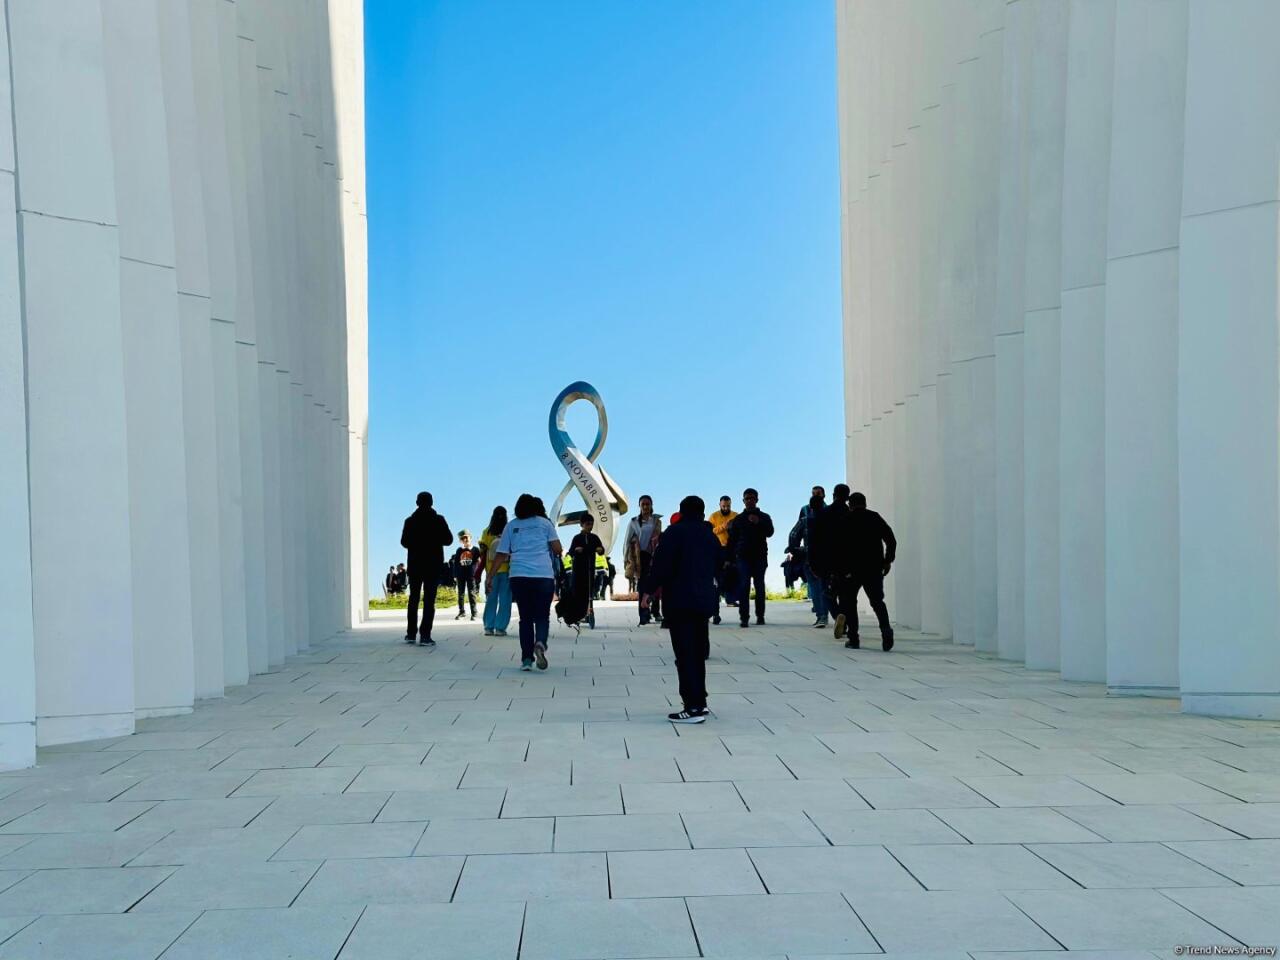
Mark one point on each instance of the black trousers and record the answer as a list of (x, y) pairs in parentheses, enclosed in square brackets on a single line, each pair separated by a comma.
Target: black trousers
[(691, 642), (422, 586), (467, 588), (845, 600), (655, 602), (750, 573)]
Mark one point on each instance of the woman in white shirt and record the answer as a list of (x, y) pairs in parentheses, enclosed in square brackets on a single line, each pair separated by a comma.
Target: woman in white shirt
[(529, 543)]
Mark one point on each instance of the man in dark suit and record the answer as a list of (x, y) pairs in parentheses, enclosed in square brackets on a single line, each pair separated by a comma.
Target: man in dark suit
[(425, 535), (684, 569), (858, 549)]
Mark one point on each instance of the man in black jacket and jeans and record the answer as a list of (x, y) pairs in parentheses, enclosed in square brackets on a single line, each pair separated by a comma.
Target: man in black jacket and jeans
[(684, 569), (425, 536), (749, 549), (857, 549)]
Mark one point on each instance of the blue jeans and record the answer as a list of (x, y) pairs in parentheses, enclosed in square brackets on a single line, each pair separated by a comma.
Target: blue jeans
[(533, 598), (748, 574), (497, 603), (817, 594)]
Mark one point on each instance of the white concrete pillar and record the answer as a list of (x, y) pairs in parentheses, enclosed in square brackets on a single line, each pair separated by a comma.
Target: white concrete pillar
[(1042, 325), (78, 452), (163, 653), (1228, 371), (346, 28), (207, 39), (199, 398), (1010, 277), (17, 654), (987, 21), (1141, 348), (926, 454), (237, 62), (1081, 451), (956, 307)]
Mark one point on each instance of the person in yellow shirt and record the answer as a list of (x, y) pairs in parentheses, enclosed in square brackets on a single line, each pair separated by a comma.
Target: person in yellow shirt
[(720, 520), (497, 586)]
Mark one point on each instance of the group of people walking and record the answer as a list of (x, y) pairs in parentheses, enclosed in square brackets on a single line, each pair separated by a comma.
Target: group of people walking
[(683, 572), (742, 559)]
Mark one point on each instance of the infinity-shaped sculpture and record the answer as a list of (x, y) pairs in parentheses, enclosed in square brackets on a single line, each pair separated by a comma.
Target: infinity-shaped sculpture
[(604, 499)]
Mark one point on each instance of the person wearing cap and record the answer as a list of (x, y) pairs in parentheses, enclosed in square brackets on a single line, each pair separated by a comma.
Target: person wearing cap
[(684, 569)]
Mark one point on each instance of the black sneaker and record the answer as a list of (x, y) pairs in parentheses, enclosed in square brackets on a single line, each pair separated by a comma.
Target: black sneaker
[(427, 642), (410, 639), (820, 625), (887, 643), (716, 619), (686, 716), (853, 643), (744, 624), (759, 621)]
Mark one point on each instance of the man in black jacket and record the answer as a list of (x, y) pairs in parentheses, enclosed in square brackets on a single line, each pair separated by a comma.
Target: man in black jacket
[(425, 535), (684, 569), (749, 548), (858, 548)]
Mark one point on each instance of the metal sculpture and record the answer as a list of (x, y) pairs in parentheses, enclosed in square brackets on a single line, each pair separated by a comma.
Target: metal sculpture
[(604, 499)]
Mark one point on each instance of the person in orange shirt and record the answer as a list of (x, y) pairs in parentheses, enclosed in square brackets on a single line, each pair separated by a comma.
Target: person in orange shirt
[(720, 520)]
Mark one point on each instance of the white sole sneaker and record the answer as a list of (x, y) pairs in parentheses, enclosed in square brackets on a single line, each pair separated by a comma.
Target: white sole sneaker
[(685, 717)]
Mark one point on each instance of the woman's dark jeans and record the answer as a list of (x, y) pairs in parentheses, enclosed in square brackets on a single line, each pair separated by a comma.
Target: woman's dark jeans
[(532, 596)]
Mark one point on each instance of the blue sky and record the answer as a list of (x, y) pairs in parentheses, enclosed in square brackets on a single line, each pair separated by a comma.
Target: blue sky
[(644, 195)]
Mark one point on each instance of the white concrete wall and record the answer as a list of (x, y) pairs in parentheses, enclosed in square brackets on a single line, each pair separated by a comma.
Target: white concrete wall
[(1062, 330), (1082, 429), (17, 653), (1229, 380), (182, 352)]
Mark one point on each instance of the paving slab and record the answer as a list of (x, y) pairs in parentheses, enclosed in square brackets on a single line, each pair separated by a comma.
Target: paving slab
[(448, 802)]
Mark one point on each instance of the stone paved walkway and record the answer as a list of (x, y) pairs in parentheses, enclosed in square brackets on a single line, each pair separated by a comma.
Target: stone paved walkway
[(374, 801)]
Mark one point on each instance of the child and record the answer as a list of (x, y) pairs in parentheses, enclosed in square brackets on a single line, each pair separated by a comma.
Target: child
[(464, 573)]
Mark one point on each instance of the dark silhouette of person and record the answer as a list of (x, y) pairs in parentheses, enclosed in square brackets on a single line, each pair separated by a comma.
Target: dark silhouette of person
[(583, 550), (749, 547), (424, 537), (684, 569), (856, 550)]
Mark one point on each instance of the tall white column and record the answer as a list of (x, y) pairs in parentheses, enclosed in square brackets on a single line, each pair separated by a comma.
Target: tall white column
[(207, 39), (1228, 371), (1081, 451), (987, 22), (163, 653), (199, 395), (1010, 279), (1042, 338), (17, 654), (238, 63), (78, 454), (1141, 348)]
